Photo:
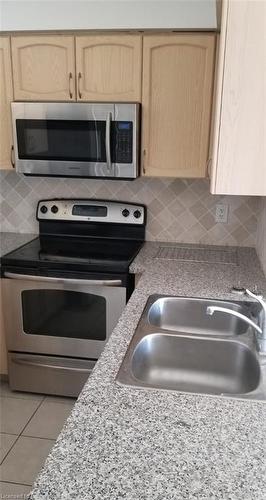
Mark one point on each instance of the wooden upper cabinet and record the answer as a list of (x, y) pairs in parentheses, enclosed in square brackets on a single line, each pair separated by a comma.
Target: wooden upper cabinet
[(43, 68), (6, 96), (239, 137), (109, 67), (176, 103)]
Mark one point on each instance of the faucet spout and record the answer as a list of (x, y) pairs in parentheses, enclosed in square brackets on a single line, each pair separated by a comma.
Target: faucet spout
[(260, 331), (263, 312), (260, 300), (212, 309)]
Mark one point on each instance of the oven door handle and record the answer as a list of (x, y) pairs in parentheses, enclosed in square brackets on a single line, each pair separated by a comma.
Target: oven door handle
[(39, 364), (63, 281)]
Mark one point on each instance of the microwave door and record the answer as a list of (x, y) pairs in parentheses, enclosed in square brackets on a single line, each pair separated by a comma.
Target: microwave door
[(63, 139)]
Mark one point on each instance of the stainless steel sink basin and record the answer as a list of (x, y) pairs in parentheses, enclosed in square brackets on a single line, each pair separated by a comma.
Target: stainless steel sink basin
[(195, 365), (189, 315), (176, 346)]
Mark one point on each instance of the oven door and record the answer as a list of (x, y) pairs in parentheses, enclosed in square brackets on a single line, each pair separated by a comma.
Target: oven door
[(58, 316)]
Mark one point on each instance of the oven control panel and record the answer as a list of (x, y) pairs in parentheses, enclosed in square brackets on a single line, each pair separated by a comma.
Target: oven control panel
[(91, 211)]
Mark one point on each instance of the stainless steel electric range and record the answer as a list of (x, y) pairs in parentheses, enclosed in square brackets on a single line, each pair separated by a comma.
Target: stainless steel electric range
[(64, 291)]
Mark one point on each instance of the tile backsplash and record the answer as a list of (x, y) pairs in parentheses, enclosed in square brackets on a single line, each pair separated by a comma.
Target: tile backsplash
[(261, 234), (178, 210)]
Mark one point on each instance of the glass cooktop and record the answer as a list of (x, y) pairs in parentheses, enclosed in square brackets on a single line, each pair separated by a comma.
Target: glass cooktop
[(90, 254)]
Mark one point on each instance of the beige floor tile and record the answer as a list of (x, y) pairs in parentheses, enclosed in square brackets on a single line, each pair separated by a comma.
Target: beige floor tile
[(6, 442), (10, 490), (60, 399), (48, 420), (5, 391), (15, 414), (25, 460)]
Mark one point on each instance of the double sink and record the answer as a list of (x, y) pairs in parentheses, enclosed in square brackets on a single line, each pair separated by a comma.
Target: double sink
[(177, 346)]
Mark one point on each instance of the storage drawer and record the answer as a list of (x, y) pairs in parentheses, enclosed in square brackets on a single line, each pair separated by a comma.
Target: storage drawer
[(48, 374)]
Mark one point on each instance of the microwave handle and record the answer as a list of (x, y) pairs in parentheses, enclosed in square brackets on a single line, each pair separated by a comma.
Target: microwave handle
[(66, 281), (107, 141)]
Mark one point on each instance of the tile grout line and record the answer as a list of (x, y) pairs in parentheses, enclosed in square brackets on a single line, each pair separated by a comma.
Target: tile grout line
[(70, 407), (9, 449), (41, 402), (60, 402), (9, 433), (37, 437), (44, 398), (13, 482), (7, 396), (19, 435)]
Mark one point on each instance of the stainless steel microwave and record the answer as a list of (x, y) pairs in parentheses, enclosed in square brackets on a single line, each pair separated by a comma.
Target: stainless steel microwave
[(76, 139)]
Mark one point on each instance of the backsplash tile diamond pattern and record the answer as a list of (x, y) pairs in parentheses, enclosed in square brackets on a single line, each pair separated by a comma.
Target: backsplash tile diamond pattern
[(178, 210)]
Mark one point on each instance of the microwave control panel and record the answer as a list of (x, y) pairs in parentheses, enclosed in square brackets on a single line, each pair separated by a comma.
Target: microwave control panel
[(123, 132)]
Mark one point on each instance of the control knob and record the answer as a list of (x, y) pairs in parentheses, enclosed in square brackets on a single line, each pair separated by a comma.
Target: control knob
[(137, 214), (125, 212), (43, 209), (54, 209)]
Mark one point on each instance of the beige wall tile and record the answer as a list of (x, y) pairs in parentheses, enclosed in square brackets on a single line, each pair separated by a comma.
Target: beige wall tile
[(185, 202), (261, 236)]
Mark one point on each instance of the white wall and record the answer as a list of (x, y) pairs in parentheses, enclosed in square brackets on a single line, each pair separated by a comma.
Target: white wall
[(106, 14), (261, 235)]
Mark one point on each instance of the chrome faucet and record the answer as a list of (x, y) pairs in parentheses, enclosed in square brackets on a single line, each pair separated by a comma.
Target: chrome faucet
[(260, 331)]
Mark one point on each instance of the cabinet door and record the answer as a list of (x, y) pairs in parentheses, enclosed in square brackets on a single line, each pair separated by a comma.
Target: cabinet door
[(177, 97), (239, 138), (43, 68), (6, 96), (109, 67)]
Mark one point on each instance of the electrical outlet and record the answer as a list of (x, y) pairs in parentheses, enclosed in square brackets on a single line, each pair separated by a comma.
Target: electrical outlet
[(221, 213)]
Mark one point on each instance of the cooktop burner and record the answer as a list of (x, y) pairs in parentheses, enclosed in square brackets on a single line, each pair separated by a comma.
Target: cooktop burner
[(106, 240)]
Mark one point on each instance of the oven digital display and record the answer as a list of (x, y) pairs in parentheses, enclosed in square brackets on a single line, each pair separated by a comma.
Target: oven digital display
[(124, 125), (90, 210)]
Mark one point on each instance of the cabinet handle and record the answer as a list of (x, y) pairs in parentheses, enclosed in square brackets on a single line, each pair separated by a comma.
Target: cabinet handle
[(69, 83), (12, 157), (208, 167), (143, 161), (79, 78)]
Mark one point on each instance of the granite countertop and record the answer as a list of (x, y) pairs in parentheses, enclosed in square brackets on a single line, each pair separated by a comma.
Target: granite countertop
[(137, 444), (12, 241)]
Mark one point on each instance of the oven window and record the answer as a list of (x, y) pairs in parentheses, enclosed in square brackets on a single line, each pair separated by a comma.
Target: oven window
[(69, 140), (64, 313)]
